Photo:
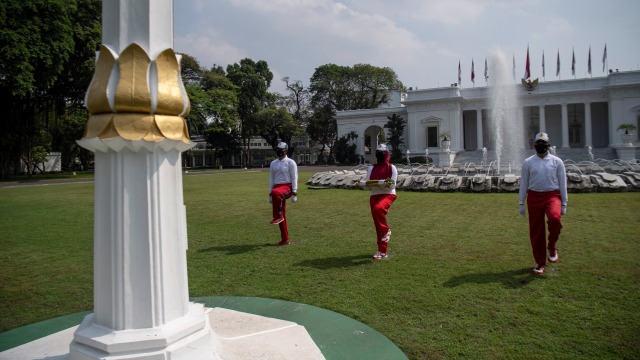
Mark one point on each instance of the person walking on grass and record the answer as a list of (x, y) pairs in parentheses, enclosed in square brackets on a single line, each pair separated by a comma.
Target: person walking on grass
[(283, 184), (381, 179), (543, 184)]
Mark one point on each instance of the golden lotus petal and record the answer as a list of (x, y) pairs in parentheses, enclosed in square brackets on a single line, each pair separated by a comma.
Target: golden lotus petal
[(154, 134), (96, 125), (132, 94), (133, 126), (170, 101), (185, 135), (170, 126), (108, 132), (97, 100)]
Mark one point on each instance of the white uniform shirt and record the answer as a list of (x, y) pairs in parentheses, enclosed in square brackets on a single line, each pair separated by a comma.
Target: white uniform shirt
[(546, 174), (384, 190), (283, 171)]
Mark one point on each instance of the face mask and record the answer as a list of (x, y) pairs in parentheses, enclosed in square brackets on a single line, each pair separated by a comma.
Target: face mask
[(280, 153), (541, 148), (380, 157)]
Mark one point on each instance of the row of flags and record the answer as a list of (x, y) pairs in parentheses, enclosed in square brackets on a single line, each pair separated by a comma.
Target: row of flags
[(527, 71)]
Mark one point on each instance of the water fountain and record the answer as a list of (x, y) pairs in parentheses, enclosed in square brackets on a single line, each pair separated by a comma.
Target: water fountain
[(506, 130), (506, 126)]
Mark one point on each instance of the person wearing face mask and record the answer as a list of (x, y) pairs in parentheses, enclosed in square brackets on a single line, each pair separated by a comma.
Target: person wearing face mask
[(543, 184), (383, 194), (283, 184)]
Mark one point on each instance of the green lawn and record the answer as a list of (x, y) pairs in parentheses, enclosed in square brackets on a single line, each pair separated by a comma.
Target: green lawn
[(457, 283)]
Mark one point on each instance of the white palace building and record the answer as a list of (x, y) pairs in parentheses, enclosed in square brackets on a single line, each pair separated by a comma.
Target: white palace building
[(578, 114)]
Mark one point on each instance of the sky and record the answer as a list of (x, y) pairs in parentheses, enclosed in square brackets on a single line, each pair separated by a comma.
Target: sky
[(422, 41)]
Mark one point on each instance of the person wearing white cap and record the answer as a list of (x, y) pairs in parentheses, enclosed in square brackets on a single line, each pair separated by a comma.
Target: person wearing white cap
[(381, 179), (283, 184), (543, 184)]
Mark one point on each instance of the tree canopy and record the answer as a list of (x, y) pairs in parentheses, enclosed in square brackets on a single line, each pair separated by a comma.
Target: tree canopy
[(396, 125), (47, 49), (47, 60), (337, 88)]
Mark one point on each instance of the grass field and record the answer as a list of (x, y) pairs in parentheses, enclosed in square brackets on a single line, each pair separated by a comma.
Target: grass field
[(457, 283)]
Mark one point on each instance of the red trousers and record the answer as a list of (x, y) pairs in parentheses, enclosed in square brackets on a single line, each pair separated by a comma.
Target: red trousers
[(279, 194), (540, 204), (380, 205)]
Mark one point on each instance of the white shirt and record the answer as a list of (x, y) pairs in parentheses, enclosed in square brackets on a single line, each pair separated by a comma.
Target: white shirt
[(283, 171), (384, 190), (543, 174)]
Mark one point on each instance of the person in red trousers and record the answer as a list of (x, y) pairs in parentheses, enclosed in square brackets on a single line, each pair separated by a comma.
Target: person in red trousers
[(381, 179), (543, 184), (283, 184)]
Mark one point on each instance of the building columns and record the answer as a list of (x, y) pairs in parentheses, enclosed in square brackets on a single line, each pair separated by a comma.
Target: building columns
[(479, 139), (565, 127), (543, 122), (587, 125)]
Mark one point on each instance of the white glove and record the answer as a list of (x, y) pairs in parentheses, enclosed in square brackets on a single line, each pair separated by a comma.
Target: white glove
[(362, 183), (564, 210), (270, 200), (294, 198), (522, 210)]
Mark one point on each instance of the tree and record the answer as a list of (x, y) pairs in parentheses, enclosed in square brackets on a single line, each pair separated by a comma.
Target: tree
[(252, 80), (212, 96), (65, 136), (47, 49), (396, 125), (345, 149), (337, 88), (214, 106), (275, 125), (296, 101), (190, 69), (224, 142), (322, 128)]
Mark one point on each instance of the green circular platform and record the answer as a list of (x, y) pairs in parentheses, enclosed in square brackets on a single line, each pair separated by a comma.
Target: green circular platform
[(336, 335)]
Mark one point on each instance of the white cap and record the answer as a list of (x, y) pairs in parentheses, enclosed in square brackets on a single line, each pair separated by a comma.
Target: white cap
[(542, 136), (283, 145), (382, 147)]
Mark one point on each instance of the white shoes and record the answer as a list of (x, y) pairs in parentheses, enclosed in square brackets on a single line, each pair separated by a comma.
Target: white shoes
[(379, 255)]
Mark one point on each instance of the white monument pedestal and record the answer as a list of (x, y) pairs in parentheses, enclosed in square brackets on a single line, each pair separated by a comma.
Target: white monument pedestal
[(229, 334), (141, 303), (445, 158), (137, 131), (626, 152)]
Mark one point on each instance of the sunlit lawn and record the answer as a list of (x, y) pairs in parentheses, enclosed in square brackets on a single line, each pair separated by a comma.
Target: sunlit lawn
[(457, 283)]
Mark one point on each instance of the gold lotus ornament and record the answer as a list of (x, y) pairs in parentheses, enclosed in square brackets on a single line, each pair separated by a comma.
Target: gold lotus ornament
[(135, 98)]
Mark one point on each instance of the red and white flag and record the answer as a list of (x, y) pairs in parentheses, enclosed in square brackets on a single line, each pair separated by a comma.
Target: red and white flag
[(589, 62), (473, 73), (573, 63), (542, 63), (558, 64), (459, 75), (604, 57), (527, 69)]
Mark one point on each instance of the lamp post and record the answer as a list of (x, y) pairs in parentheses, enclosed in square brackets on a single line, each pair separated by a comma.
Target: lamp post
[(426, 156), (408, 152)]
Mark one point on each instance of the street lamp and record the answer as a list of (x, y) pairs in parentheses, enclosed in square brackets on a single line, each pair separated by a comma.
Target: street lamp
[(408, 152), (426, 156)]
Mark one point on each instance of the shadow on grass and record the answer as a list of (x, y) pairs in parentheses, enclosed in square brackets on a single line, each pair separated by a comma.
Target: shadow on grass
[(510, 279), (235, 249), (336, 262)]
